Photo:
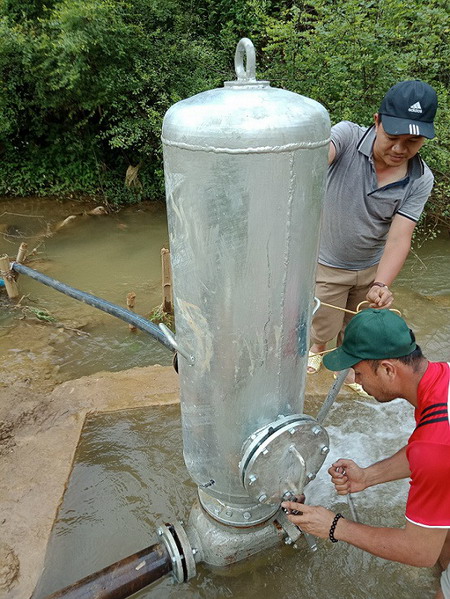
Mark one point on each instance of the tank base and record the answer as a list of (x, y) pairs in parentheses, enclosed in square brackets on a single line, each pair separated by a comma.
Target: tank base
[(217, 544)]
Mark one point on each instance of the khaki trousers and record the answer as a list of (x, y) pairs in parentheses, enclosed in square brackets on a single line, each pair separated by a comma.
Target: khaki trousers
[(342, 288)]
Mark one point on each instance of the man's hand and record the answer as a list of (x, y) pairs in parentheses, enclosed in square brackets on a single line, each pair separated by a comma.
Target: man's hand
[(379, 297), (347, 477), (315, 520), (414, 545)]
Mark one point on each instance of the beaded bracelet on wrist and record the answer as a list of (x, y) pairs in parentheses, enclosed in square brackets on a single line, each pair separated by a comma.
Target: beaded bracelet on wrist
[(333, 528)]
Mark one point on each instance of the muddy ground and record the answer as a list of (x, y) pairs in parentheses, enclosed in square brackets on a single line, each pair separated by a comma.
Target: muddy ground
[(40, 423)]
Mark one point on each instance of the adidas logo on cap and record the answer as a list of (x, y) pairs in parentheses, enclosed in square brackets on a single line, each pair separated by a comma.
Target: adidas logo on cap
[(415, 108), (406, 103)]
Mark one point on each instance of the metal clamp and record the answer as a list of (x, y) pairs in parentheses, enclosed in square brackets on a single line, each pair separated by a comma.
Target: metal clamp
[(293, 532), (168, 334), (316, 306)]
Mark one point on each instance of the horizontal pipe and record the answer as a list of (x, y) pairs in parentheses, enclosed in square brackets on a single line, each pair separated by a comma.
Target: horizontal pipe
[(122, 579), (97, 302)]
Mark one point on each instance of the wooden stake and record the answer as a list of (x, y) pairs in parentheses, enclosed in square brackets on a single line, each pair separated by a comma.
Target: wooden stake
[(8, 276), (131, 299), (167, 303), (22, 253)]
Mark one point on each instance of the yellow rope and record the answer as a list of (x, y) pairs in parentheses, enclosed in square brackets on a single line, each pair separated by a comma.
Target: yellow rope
[(320, 353), (358, 309), (338, 308)]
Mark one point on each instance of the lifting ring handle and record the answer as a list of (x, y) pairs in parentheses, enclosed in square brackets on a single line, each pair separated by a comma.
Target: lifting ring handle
[(247, 73)]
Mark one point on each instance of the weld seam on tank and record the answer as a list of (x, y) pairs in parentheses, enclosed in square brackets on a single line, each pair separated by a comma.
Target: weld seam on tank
[(261, 150), (286, 256)]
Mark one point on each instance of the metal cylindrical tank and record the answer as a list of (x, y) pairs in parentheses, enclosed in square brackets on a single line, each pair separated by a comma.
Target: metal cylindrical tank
[(245, 169)]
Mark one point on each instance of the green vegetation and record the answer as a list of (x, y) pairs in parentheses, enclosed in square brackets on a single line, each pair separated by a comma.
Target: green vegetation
[(158, 315), (86, 83)]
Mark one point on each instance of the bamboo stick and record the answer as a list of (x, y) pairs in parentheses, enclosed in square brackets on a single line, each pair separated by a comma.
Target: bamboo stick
[(8, 276), (167, 303), (131, 299), (22, 253)]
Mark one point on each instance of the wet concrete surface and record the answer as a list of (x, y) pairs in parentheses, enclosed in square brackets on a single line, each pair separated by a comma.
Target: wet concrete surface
[(128, 472), (37, 456)]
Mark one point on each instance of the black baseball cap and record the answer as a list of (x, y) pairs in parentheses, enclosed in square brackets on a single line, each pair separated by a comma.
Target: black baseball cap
[(409, 108)]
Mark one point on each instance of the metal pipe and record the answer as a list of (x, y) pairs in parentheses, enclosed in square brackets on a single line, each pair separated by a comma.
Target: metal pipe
[(323, 412), (97, 302), (332, 394), (122, 579), (352, 508)]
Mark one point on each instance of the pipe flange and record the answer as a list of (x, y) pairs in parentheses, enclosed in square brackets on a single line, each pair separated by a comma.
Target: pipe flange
[(255, 439), (187, 550), (179, 549), (282, 458)]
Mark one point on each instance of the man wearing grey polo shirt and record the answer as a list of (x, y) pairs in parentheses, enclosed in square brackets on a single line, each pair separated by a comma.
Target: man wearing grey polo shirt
[(377, 187)]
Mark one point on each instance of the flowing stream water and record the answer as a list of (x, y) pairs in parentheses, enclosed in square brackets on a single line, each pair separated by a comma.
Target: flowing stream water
[(107, 256), (129, 471)]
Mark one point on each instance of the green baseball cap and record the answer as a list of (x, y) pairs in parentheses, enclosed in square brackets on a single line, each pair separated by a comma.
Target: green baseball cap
[(372, 335)]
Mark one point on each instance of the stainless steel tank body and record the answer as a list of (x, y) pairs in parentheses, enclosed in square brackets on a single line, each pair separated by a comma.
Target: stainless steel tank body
[(245, 169)]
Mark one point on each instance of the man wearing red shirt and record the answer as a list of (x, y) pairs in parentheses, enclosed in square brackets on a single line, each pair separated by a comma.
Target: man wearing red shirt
[(389, 364)]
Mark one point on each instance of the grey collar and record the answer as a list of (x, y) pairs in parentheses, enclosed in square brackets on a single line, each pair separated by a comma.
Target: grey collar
[(416, 165)]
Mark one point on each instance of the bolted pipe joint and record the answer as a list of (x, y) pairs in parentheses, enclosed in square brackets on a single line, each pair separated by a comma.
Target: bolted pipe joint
[(180, 550)]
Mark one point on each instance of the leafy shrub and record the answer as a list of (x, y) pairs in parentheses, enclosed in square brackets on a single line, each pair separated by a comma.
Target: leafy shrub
[(86, 82)]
